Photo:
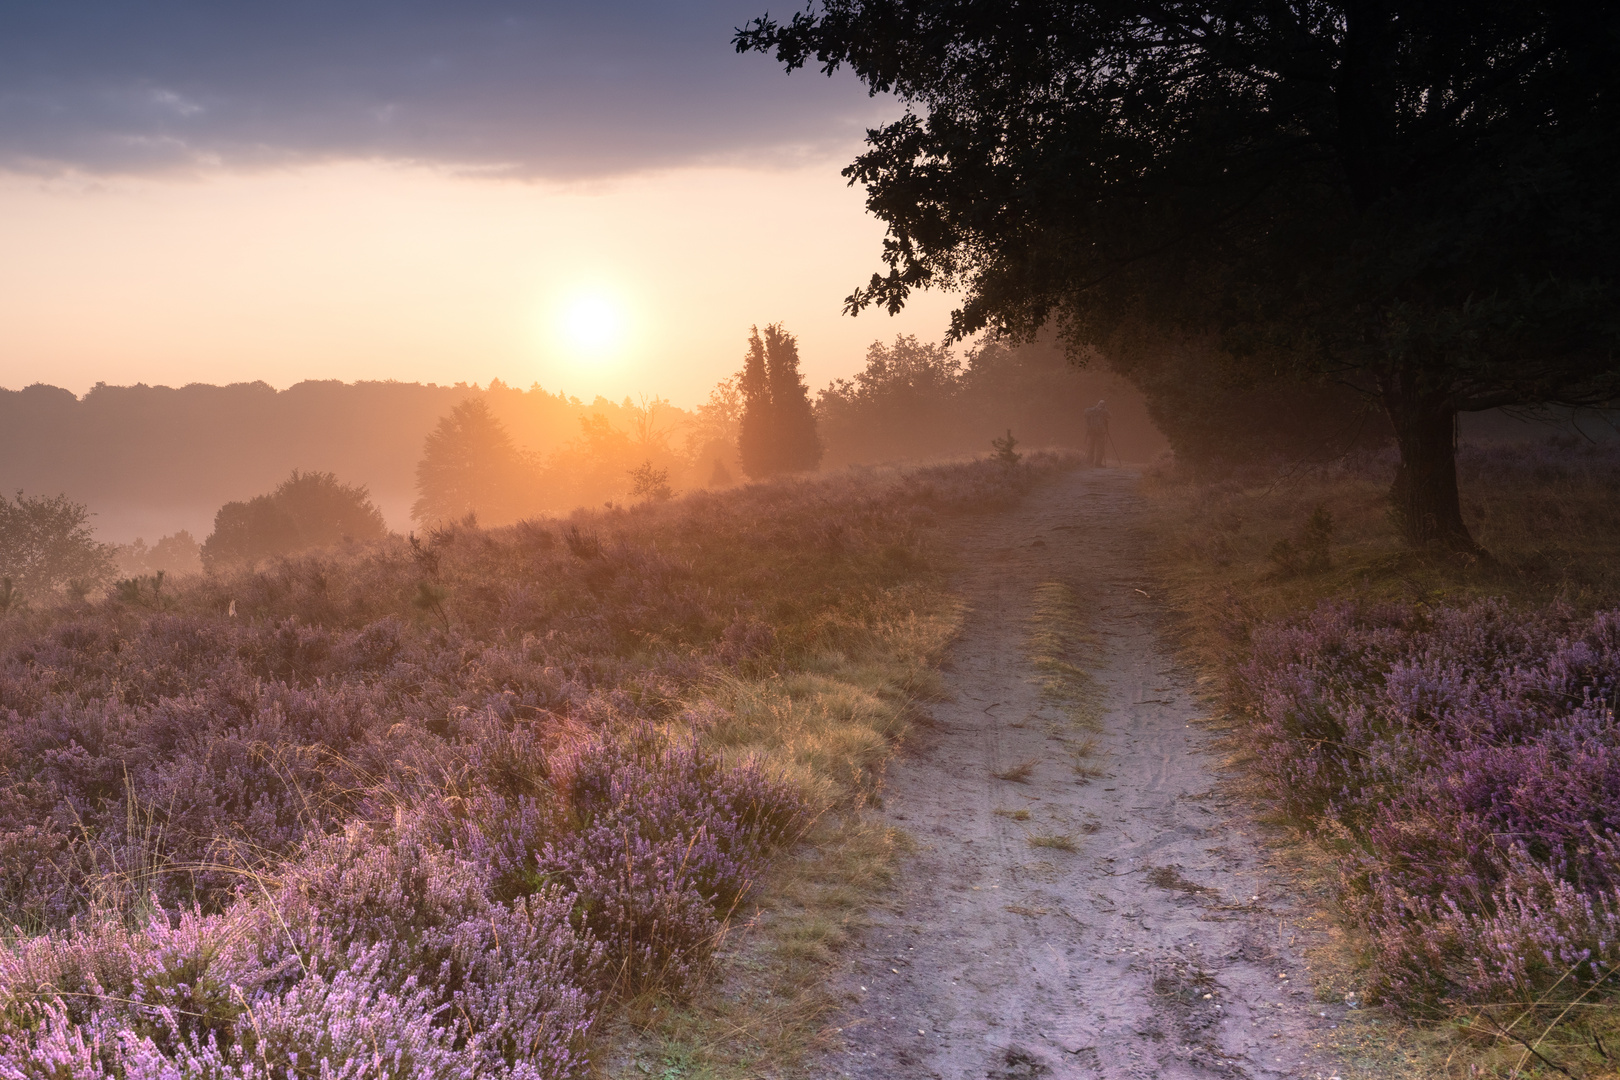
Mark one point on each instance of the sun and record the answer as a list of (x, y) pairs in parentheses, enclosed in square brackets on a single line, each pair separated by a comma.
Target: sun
[(592, 323)]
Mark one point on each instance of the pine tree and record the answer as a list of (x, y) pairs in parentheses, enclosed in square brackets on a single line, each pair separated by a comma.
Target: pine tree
[(469, 465), (755, 446), (777, 432), (798, 446)]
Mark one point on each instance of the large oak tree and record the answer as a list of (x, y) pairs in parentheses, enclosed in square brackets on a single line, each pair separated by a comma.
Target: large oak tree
[(1417, 199)]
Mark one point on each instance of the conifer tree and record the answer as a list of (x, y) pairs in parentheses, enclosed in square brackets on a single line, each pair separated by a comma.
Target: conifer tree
[(777, 432), (754, 442), (469, 465)]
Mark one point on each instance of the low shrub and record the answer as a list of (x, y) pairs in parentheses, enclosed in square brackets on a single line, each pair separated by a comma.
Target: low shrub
[(293, 821), (1465, 762)]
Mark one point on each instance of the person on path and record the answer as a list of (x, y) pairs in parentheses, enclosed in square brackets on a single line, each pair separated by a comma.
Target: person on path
[(1097, 431)]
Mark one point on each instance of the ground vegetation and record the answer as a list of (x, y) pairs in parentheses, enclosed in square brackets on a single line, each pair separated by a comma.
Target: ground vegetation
[(458, 803), (1439, 730)]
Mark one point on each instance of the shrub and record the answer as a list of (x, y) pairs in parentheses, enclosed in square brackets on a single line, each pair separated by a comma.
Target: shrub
[(308, 510), (1466, 764), (46, 544)]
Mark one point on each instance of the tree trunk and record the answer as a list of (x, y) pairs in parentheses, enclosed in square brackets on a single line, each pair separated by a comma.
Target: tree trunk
[(1424, 495)]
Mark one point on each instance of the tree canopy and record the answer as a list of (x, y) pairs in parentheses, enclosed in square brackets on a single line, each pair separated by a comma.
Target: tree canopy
[(309, 509), (46, 544), (470, 466), (777, 430), (1415, 199)]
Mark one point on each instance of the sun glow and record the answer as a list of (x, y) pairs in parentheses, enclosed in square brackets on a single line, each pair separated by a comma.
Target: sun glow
[(592, 324)]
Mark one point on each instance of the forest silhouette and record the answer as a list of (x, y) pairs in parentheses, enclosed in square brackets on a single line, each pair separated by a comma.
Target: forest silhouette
[(151, 460)]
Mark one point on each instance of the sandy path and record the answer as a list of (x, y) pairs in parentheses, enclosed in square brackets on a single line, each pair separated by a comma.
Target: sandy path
[(1002, 960)]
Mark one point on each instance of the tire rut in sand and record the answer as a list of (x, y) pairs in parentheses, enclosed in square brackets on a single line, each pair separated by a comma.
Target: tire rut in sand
[(1084, 900)]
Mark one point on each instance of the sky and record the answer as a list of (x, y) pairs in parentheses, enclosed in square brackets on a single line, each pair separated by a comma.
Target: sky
[(600, 198)]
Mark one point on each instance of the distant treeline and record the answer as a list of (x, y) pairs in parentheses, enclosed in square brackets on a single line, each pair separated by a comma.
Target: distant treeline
[(150, 460), (917, 401)]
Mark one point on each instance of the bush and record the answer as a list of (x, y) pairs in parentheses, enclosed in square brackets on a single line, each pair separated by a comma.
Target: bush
[(308, 510), (46, 545), (1466, 764)]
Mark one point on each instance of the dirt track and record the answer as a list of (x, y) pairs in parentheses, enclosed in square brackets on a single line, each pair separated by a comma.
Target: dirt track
[(1163, 946)]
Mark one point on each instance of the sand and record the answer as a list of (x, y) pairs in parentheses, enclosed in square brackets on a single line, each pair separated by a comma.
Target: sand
[(1164, 945)]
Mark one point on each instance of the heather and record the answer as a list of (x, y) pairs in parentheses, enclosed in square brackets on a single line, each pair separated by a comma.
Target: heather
[(427, 806), (1464, 763), (1440, 726)]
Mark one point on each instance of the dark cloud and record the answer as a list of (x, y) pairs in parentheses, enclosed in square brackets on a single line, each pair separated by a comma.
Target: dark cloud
[(541, 88)]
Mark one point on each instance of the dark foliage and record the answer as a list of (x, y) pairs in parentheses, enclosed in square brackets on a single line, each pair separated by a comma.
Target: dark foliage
[(777, 429), (918, 400), (46, 545), (308, 510), (1408, 199)]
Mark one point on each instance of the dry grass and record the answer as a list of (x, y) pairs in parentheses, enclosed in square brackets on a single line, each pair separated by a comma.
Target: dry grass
[(1059, 643), (1550, 521), (1019, 773), (1548, 517), (1056, 841), (1016, 815)]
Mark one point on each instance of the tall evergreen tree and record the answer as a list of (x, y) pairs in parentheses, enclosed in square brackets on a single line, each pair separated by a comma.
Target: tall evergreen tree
[(798, 446), (754, 442), (777, 432), (469, 466)]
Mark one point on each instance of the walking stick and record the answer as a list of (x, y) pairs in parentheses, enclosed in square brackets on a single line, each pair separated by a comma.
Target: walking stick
[(1110, 437)]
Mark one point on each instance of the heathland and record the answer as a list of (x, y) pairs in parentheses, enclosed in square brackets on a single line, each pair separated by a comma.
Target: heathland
[(601, 791), (435, 807), (1435, 730)]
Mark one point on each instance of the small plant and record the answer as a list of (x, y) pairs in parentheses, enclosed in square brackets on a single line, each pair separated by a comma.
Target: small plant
[(426, 559), (141, 589), (1005, 453), (1056, 841), (647, 482), (1308, 552), (1020, 773), (430, 598), (1169, 877), (581, 544), (1016, 815)]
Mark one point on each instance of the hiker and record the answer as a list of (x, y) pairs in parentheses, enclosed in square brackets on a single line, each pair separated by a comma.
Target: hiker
[(1097, 431)]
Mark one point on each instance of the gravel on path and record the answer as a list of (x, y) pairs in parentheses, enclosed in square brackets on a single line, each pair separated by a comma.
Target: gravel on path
[(1162, 946)]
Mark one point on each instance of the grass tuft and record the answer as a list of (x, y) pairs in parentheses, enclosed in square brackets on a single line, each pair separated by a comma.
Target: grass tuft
[(1019, 773), (1056, 841)]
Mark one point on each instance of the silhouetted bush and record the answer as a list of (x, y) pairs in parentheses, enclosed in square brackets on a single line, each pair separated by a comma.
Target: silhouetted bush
[(171, 555), (46, 545), (916, 400), (308, 510)]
